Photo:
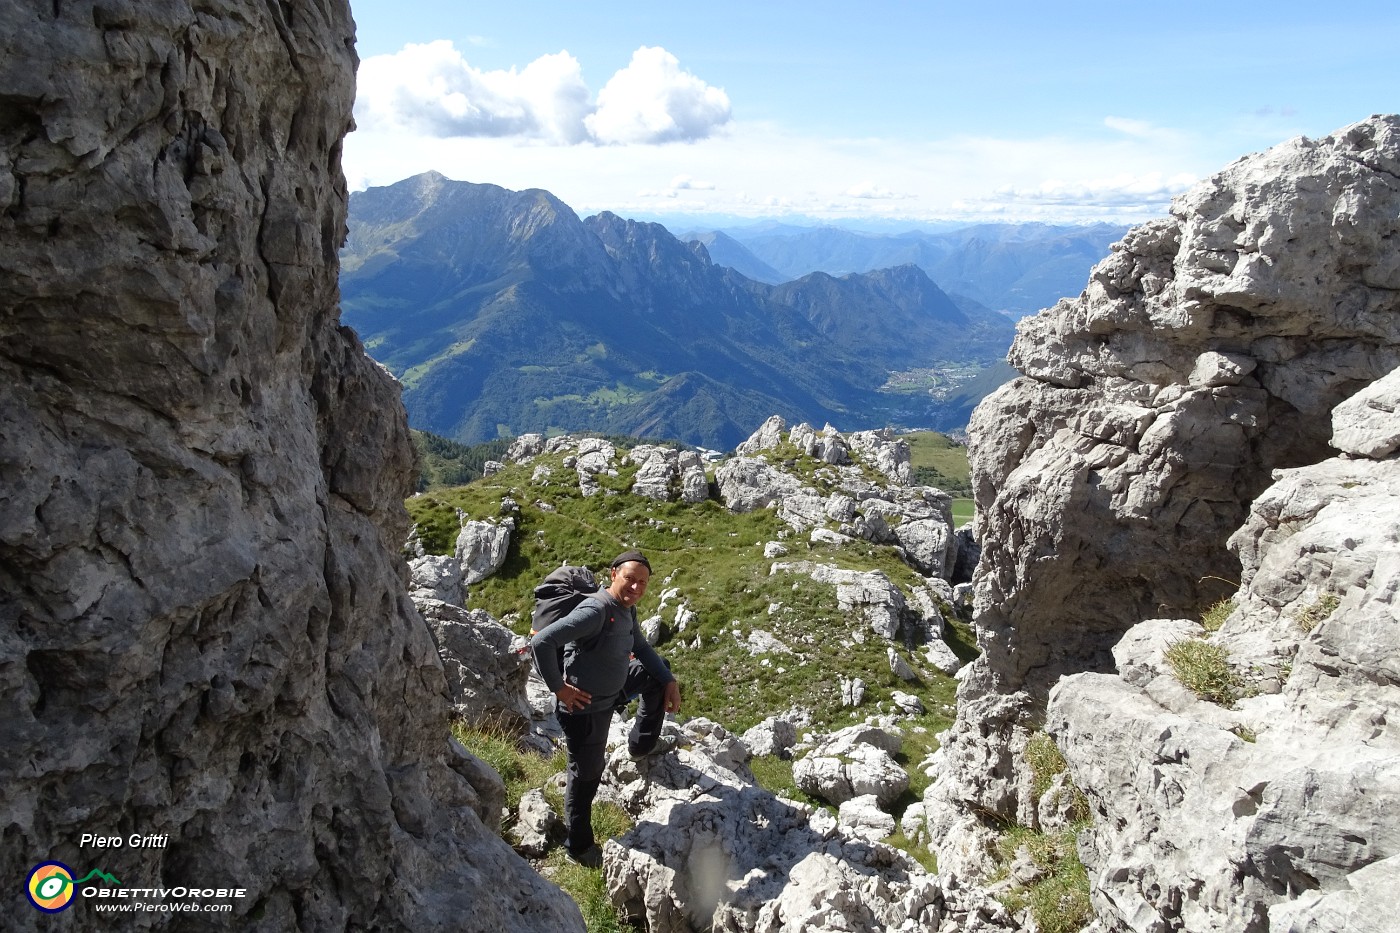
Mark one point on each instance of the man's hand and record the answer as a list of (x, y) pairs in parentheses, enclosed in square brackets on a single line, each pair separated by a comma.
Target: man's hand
[(673, 697), (572, 698)]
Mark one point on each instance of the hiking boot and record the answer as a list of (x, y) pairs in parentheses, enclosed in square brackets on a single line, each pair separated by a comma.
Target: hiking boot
[(591, 857), (663, 745)]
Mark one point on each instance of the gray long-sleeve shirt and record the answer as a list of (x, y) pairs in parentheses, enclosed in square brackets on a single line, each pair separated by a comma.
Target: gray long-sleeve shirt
[(600, 668)]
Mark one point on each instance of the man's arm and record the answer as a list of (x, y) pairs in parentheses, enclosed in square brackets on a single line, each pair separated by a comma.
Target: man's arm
[(651, 661), (583, 623)]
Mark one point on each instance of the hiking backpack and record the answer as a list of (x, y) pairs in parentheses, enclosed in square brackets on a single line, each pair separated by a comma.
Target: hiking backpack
[(562, 590)]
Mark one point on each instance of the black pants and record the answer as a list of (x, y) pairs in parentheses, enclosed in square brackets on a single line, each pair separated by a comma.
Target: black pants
[(586, 737)]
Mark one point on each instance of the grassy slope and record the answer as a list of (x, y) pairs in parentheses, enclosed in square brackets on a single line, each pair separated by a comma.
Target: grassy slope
[(942, 462), (714, 559)]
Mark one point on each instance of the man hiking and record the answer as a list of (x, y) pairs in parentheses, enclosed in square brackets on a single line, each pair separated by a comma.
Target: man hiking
[(607, 659)]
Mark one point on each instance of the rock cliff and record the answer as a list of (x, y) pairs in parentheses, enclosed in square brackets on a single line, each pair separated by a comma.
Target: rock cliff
[(205, 637), (1167, 447)]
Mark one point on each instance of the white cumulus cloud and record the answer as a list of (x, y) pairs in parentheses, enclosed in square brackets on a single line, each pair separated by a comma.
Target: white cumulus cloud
[(430, 89), (653, 100)]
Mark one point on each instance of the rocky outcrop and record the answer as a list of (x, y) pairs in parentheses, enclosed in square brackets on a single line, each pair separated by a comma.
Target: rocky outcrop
[(854, 762), (712, 850), (1206, 352), (1168, 443), (888, 452), (871, 600), (668, 474), (204, 629), (917, 519), (482, 548), (1291, 791), (437, 577), (485, 672)]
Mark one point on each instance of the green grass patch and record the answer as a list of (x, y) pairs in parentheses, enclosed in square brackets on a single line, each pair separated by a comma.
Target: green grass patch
[(1204, 668), (589, 890), (939, 461), (524, 770), (1315, 614), (521, 770), (1059, 898), (1216, 615), (1045, 760)]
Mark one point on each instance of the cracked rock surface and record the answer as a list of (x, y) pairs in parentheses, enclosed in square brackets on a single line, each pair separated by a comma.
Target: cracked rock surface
[(204, 628)]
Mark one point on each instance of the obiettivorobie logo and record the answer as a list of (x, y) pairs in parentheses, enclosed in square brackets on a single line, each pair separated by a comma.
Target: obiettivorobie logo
[(51, 885)]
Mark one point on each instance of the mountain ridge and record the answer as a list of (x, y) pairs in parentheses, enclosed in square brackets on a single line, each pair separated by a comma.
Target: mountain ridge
[(1016, 268), (504, 312)]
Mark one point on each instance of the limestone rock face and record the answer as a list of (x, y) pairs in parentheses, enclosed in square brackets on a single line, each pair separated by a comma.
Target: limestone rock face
[(1307, 804), (436, 577), (1168, 446), (485, 675), (1208, 350), (1367, 424), (204, 629)]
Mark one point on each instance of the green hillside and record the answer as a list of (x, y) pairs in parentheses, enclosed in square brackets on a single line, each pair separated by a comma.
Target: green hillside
[(714, 560)]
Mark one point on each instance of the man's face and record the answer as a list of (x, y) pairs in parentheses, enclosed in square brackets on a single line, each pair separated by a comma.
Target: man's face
[(629, 582)]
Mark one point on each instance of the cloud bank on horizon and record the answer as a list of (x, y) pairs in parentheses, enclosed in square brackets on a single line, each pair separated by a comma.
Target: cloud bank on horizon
[(905, 114)]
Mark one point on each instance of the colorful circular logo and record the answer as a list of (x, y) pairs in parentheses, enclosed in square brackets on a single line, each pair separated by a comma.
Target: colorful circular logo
[(50, 887)]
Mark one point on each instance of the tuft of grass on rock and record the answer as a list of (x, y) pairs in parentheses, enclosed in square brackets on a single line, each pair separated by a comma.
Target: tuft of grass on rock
[(1045, 761), (520, 770), (1058, 896), (1204, 668), (1216, 615), (1315, 614)]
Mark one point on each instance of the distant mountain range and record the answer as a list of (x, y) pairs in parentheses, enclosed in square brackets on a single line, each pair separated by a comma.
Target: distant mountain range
[(503, 312), (1017, 268)]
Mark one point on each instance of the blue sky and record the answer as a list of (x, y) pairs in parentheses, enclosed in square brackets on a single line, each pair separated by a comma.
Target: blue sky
[(904, 111)]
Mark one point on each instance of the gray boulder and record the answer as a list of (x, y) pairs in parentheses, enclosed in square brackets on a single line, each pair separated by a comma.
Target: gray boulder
[(437, 577), (827, 446), (749, 483), (768, 436), (485, 672), (886, 451), (537, 828), (482, 548), (929, 545), (850, 763), (773, 736), (870, 597), (1368, 423), (525, 448), (666, 474), (864, 819)]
